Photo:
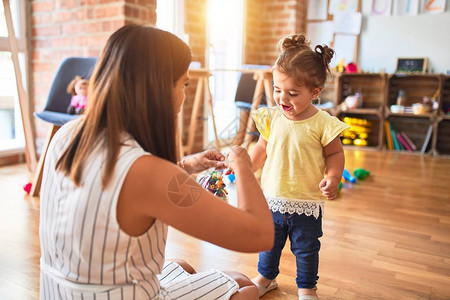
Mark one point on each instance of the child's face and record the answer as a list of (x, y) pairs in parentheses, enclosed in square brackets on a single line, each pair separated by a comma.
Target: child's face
[(294, 100), (178, 91)]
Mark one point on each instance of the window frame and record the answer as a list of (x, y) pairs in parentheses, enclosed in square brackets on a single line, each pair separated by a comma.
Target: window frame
[(13, 146)]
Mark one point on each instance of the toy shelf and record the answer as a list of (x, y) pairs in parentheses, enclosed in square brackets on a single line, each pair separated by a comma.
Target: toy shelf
[(379, 92), (419, 130), (415, 87), (441, 143), (370, 86)]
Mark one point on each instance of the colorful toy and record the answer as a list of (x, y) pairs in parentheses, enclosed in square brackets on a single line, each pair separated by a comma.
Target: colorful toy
[(358, 133), (361, 173), (351, 68), (232, 177), (213, 182), (340, 66), (347, 176), (27, 187)]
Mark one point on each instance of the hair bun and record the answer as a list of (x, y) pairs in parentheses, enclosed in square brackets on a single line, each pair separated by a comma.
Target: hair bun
[(294, 41), (325, 52)]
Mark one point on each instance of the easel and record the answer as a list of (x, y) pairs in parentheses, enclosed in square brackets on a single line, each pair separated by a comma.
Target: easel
[(30, 148), (202, 89), (263, 82)]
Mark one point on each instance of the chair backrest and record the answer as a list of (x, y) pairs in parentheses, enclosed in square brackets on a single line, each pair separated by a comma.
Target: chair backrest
[(246, 88), (58, 99)]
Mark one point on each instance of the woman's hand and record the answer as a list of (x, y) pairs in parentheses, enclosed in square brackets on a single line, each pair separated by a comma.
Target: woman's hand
[(203, 161), (238, 156)]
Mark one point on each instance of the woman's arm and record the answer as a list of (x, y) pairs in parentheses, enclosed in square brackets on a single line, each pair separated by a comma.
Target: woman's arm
[(335, 161), (258, 155), (170, 195)]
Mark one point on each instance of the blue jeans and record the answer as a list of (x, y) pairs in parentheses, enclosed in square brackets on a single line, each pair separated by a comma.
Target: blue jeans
[(304, 233)]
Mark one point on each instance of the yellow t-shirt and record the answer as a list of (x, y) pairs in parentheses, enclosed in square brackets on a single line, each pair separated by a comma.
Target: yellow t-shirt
[(295, 162)]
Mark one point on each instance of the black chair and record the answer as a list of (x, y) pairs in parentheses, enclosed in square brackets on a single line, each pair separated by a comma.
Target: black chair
[(57, 103), (244, 99)]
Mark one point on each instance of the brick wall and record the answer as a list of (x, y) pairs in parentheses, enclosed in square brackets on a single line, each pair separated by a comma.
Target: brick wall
[(267, 21), (64, 28)]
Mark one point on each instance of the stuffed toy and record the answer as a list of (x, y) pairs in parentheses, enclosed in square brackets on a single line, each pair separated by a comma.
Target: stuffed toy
[(78, 87)]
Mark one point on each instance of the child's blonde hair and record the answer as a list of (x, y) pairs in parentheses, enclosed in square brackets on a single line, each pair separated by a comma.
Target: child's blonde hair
[(307, 67)]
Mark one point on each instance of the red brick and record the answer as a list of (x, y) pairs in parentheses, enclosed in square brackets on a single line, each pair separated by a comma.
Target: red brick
[(47, 30), (42, 6), (95, 26), (73, 28), (40, 43), (63, 42), (41, 18), (63, 16), (89, 2), (67, 4), (107, 12)]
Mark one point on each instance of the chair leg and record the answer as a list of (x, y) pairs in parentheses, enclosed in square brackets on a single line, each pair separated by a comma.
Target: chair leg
[(36, 186)]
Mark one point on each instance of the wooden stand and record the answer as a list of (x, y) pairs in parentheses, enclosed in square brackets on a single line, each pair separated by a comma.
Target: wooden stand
[(263, 82), (202, 90)]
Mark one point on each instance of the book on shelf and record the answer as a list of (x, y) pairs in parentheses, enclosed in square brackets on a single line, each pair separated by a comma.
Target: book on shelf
[(387, 129), (394, 138), (408, 140), (427, 139), (403, 142)]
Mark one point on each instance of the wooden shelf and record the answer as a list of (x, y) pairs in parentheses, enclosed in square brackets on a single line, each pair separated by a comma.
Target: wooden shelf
[(409, 115), (367, 111), (380, 91)]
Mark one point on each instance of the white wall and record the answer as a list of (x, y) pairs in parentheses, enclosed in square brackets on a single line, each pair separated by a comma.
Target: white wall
[(383, 39)]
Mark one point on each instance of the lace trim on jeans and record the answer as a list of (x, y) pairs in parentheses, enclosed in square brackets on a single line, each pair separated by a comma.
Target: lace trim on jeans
[(291, 206)]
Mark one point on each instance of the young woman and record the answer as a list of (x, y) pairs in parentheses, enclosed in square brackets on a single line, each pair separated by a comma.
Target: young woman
[(111, 186)]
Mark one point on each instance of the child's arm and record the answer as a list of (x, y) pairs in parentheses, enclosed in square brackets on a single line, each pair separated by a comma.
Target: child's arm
[(335, 161), (258, 155)]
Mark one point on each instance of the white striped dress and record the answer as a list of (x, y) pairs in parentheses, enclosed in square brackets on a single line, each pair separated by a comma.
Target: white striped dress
[(85, 254)]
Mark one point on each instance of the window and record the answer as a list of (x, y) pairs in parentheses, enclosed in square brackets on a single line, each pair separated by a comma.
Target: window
[(11, 130), (170, 16), (225, 57)]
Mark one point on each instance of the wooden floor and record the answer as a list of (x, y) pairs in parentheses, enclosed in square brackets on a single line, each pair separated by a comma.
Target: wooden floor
[(387, 237)]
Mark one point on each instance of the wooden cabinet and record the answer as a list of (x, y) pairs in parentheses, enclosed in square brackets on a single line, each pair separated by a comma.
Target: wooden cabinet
[(429, 131), (371, 89)]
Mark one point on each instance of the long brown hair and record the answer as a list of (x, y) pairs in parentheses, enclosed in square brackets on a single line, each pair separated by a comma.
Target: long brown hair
[(308, 67), (130, 91)]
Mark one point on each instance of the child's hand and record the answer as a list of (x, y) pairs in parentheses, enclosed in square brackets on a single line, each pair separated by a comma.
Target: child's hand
[(330, 187), (237, 155)]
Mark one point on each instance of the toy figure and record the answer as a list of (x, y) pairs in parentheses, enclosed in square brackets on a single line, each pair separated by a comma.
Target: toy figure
[(78, 87), (361, 173), (213, 182)]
